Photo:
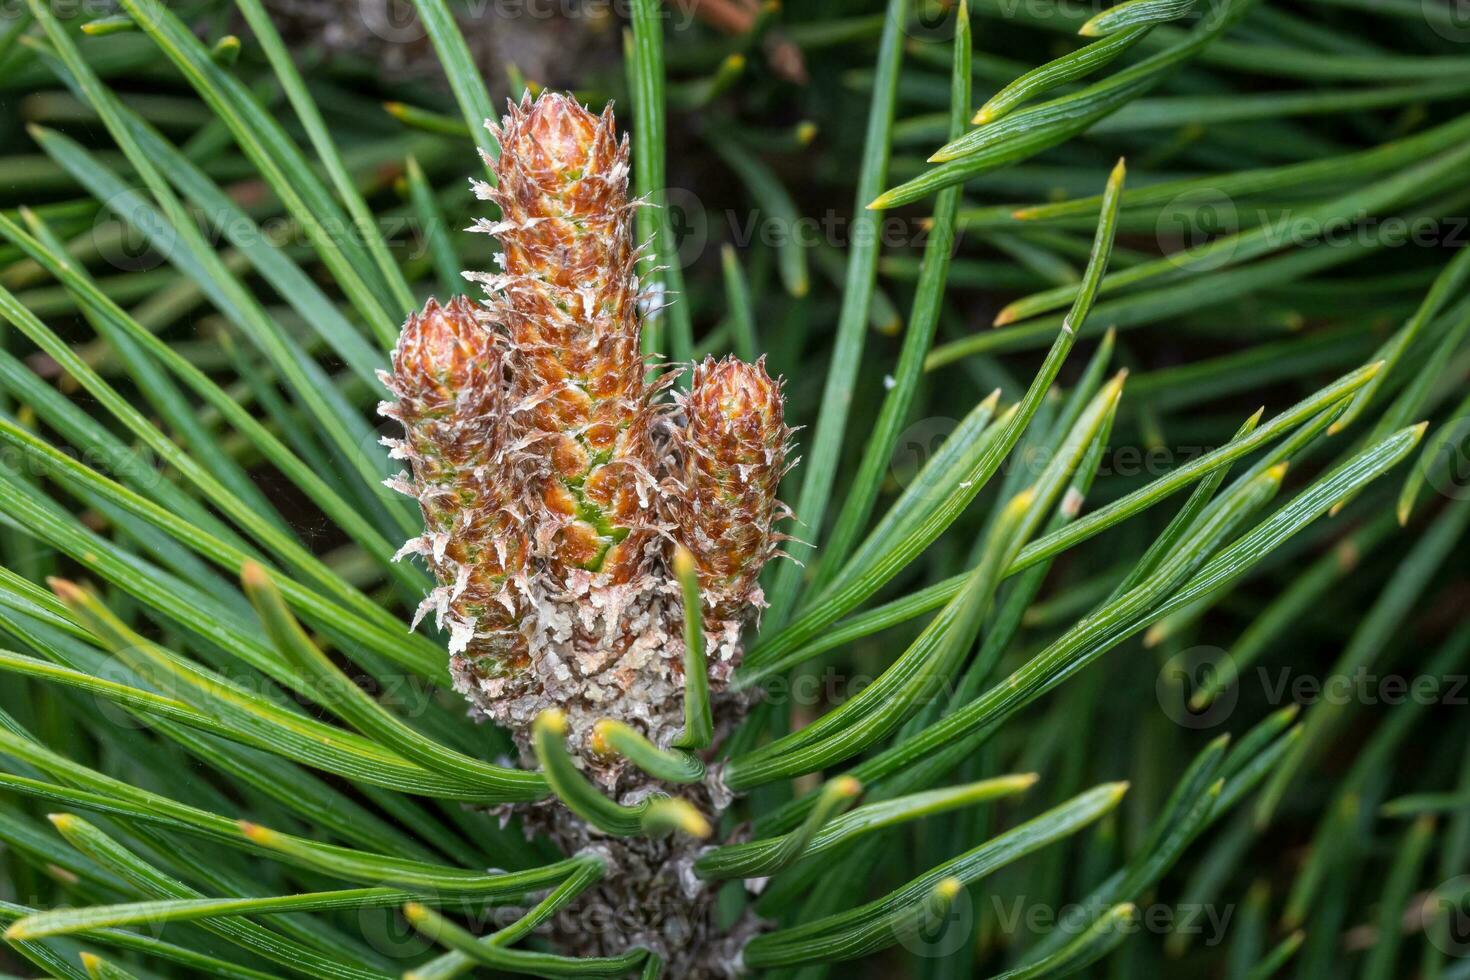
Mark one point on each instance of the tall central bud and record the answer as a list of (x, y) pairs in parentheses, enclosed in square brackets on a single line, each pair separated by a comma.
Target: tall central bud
[(567, 299)]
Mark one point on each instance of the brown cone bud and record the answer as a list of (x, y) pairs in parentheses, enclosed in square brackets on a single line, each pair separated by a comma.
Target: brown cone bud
[(567, 298), (734, 449), (449, 378)]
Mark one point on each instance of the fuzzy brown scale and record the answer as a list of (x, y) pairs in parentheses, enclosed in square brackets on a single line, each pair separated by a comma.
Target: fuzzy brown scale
[(448, 377), (735, 444), (567, 299), (542, 414)]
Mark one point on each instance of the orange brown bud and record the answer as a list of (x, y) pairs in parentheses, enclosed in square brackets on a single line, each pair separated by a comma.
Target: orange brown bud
[(567, 301), (734, 447), (448, 375)]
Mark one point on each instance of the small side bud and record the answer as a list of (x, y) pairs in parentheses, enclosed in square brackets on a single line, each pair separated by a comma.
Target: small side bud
[(450, 382), (442, 352), (734, 448)]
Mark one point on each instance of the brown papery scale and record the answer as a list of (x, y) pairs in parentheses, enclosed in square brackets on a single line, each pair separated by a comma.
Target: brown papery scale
[(448, 377), (556, 481), (734, 445)]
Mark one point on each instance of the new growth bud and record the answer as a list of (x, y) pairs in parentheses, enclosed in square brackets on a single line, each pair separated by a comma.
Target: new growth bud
[(734, 447), (567, 301), (448, 374)]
